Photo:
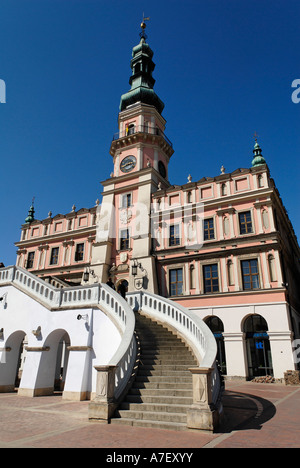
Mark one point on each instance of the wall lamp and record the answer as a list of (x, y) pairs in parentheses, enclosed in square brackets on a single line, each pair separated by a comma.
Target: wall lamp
[(135, 266), (87, 273), (3, 299), (37, 332), (83, 317), (1, 333)]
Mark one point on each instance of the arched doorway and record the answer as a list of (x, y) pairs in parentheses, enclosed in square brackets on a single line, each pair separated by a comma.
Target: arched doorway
[(217, 328), (12, 360), (53, 365), (258, 347)]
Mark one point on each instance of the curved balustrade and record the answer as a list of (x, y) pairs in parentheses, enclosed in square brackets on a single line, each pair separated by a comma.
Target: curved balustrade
[(192, 329)]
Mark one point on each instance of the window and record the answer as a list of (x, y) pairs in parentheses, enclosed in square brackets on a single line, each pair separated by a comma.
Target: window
[(211, 278), (174, 235), (126, 200), (250, 274), (176, 282), (54, 256), (79, 253), (124, 239), (30, 260), (209, 232), (130, 130), (245, 222)]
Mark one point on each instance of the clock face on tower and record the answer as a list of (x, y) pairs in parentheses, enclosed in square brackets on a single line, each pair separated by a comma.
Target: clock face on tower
[(128, 164)]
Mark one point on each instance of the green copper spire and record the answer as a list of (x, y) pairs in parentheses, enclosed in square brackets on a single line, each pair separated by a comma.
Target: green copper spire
[(30, 217), (258, 159), (141, 80)]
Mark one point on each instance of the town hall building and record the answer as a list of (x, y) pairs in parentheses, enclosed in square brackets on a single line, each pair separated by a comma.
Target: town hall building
[(222, 247)]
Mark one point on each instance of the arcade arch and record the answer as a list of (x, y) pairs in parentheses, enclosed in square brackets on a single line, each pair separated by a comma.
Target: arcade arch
[(259, 356), (216, 326)]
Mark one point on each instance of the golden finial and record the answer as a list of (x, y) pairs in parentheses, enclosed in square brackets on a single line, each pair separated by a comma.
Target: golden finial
[(143, 24)]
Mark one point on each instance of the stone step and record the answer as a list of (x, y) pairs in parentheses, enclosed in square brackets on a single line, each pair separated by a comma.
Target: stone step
[(168, 360), (159, 399), (186, 378), (153, 416), (171, 426), (168, 373), (155, 407), (165, 367), (162, 385), (177, 392), (173, 352)]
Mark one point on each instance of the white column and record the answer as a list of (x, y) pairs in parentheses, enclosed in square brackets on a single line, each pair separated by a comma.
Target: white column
[(235, 346)]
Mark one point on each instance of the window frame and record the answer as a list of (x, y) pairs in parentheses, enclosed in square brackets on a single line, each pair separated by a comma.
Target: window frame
[(245, 223), (209, 229), (122, 239), (176, 282), (124, 200), (209, 288), (53, 257), (250, 274), (174, 241), (77, 252), (30, 260)]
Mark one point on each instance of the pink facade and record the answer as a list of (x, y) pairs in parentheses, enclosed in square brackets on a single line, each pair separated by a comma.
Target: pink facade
[(222, 246), (58, 246)]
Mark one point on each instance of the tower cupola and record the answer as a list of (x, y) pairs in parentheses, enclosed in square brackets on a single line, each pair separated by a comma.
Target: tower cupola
[(30, 217), (141, 80), (258, 159)]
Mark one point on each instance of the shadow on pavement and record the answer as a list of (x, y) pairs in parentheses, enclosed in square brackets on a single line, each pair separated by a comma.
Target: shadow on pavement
[(244, 411)]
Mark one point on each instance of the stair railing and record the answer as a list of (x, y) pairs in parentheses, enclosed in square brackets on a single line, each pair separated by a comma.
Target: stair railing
[(80, 297), (206, 377)]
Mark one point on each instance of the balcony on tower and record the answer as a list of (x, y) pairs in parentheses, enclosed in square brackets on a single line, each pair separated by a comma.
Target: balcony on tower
[(133, 134)]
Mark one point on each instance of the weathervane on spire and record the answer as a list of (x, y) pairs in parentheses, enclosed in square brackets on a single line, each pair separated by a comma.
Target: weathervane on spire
[(143, 26), (255, 136)]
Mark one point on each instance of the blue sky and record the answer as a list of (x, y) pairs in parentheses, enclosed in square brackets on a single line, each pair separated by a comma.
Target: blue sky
[(224, 70)]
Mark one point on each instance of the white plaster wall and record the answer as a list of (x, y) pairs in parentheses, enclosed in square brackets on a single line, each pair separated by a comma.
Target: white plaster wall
[(23, 313), (279, 331)]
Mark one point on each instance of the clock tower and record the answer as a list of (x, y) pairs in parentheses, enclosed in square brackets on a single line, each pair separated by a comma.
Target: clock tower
[(141, 153)]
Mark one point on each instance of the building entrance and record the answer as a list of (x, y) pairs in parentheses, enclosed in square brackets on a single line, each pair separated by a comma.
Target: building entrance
[(258, 347)]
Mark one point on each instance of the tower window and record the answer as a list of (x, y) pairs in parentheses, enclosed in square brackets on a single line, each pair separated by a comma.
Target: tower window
[(130, 129), (124, 239), (126, 200), (174, 235)]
